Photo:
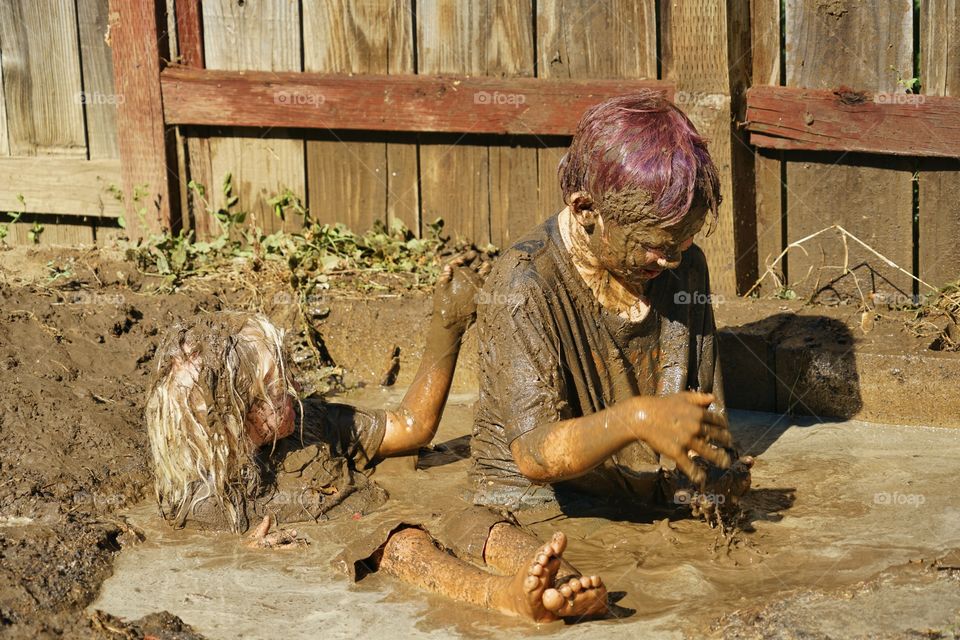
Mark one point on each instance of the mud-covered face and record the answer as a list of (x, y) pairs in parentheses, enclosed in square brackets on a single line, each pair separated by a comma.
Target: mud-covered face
[(266, 423), (636, 253)]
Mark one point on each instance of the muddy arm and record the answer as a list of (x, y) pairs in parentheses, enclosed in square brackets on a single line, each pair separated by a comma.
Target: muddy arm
[(414, 423), (673, 426)]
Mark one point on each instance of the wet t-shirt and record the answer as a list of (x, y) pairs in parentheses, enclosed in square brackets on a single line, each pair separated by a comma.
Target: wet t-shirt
[(315, 473), (550, 352)]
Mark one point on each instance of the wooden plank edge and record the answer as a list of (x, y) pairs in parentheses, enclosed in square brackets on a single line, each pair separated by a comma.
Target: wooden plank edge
[(789, 118), (410, 103), (189, 32), (63, 186)]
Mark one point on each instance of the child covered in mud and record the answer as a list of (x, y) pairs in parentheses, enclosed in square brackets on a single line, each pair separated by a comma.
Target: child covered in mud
[(222, 419), (598, 355)]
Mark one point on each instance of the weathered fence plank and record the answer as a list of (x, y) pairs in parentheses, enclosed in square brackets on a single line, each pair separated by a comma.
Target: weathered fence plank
[(100, 96), (765, 40), (41, 75), (189, 32), (485, 39), (695, 43), (847, 120), (512, 166), (939, 180), (381, 102), (146, 150), (70, 186), (360, 182), (828, 46), (583, 39), (4, 142), (264, 36)]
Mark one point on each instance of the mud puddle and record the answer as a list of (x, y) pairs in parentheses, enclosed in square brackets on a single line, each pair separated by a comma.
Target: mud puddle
[(847, 521)]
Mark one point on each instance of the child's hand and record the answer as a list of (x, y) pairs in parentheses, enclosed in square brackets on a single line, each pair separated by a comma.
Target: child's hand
[(456, 292), (680, 424), (721, 491)]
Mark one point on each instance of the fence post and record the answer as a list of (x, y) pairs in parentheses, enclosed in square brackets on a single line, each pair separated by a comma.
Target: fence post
[(705, 50), (151, 196)]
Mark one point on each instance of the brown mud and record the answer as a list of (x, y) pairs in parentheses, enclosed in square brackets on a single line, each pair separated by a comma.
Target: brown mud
[(846, 518), (78, 332)]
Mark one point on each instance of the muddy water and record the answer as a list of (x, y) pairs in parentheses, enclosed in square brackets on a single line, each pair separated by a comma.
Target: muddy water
[(846, 519)]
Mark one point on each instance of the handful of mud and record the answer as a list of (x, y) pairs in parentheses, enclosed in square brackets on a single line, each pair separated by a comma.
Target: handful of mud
[(717, 500)]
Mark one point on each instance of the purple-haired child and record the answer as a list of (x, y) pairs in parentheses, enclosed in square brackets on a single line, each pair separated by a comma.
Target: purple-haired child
[(598, 346)]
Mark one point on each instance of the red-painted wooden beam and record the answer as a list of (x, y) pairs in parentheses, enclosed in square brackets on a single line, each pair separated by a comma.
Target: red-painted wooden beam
[(456, 104), (189, 32), (145, 150), (846, 120)]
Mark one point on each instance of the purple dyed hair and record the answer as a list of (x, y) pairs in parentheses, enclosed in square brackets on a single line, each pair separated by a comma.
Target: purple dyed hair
[(641, 141)]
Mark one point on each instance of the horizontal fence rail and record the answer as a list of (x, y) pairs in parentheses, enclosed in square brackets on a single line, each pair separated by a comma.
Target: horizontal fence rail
[(411, 103), (789, 118)]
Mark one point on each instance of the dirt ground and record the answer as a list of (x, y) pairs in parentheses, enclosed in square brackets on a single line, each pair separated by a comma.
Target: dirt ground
[(77, 337)]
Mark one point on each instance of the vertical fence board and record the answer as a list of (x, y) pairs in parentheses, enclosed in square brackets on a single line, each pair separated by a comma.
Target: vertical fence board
[(145, 146), (765, 39), (583, 39), (486, 38), (512, 168), (195, 141), (856, 45), (4, 142), (360, 182), (263, 36), (694, 54), (41, 77), (97, 67), (939, 179)]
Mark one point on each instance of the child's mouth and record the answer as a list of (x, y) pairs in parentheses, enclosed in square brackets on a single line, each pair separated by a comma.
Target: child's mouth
[(649, 274)]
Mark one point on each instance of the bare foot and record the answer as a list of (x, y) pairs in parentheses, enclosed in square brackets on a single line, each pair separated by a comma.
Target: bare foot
[(532, 593), (583, 597)]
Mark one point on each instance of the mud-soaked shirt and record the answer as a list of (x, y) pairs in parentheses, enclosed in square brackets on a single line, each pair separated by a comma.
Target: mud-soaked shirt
[(550, 352), (314, 473)]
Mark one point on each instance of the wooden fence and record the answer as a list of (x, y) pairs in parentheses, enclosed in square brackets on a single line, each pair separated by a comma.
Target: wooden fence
[(412, 110)]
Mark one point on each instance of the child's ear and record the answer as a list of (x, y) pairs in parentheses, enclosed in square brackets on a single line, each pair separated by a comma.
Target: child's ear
[(581, 205)]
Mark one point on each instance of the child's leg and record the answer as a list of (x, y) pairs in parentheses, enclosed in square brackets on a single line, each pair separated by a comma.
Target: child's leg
[(411, 556)]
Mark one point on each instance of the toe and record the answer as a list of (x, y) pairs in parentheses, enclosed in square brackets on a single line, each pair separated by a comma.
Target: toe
[(566, 591), (586, 582), (575, 585), (559, 543), (553, 600), (530, 584)]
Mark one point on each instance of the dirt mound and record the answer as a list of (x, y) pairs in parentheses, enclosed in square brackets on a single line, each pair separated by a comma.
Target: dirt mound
[(77, 339)]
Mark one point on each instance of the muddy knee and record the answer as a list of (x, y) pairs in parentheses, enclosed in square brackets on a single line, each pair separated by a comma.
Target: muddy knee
[(403, 545)]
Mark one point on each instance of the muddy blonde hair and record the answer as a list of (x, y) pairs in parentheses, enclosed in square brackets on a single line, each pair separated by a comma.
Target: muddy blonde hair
[(209, 374)]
